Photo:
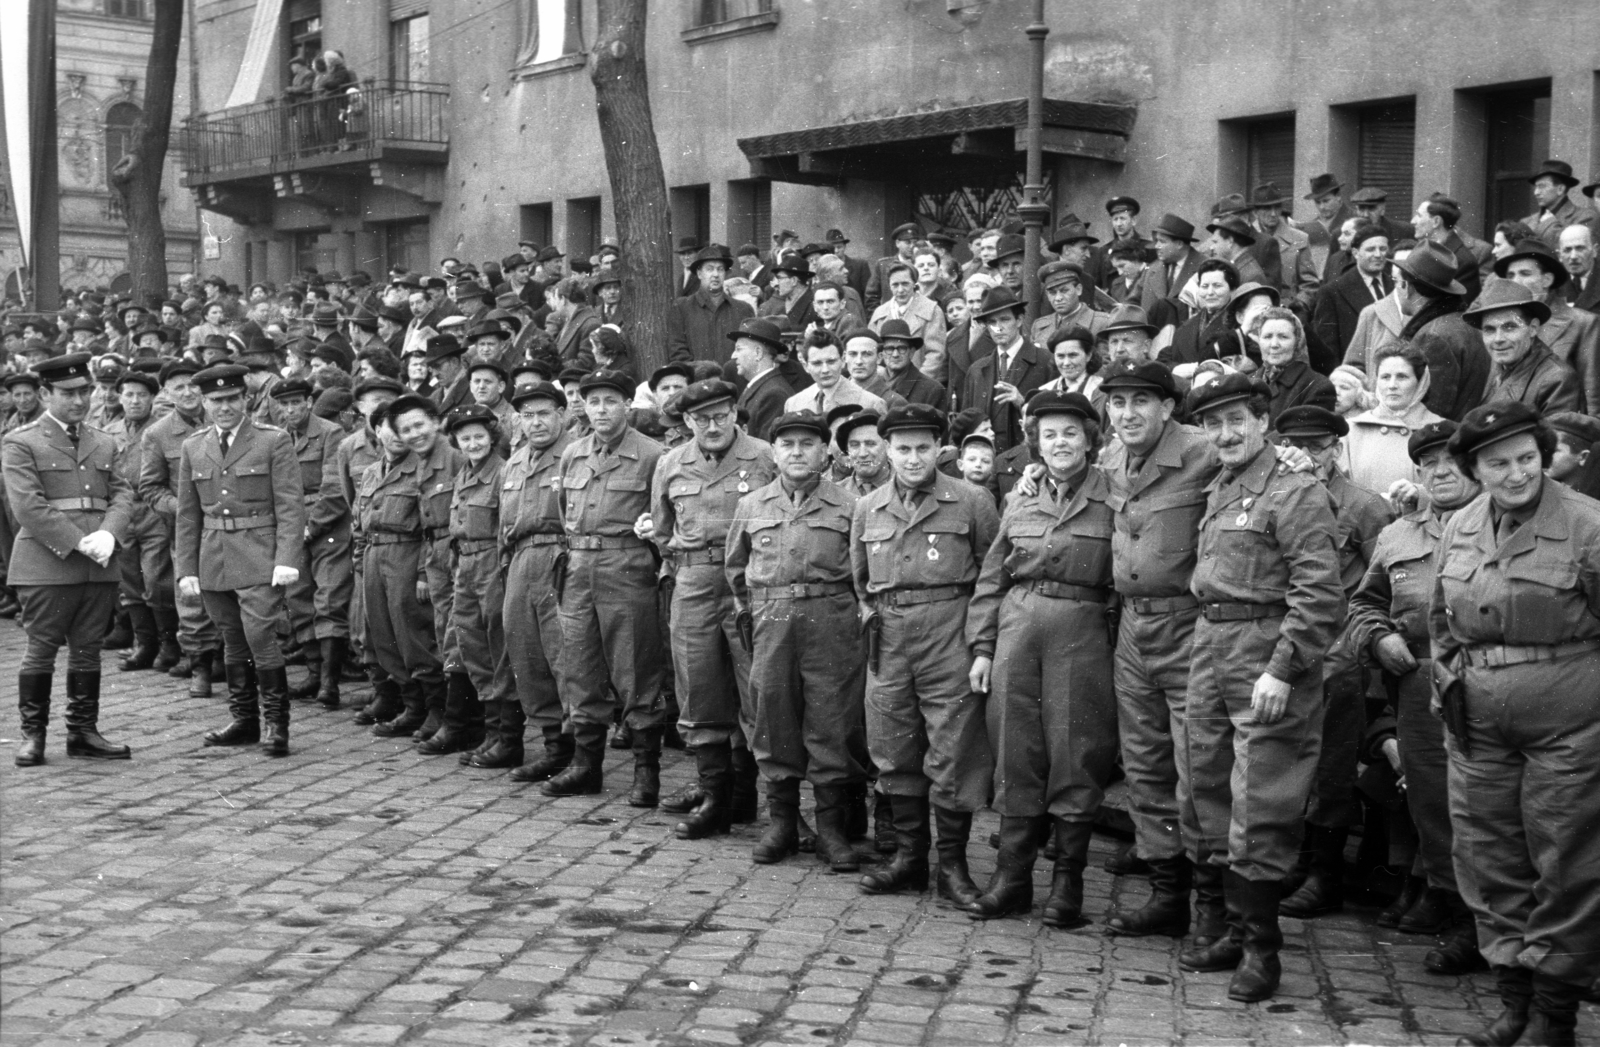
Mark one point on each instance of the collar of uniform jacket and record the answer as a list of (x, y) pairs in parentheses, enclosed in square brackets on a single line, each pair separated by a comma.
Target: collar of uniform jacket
[(1548, 522), (1253, 477)]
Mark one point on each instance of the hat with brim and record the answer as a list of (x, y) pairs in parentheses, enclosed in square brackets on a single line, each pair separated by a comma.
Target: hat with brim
[(486, 329), (1233, 203), (442, 347), (1322, 185), (1129, 318), (1434, 434), (942, 238), (1175, 227), (1010, 246), (1069, 230), (1235, 227), (1245, 291), (712, 253), (1432, 265), (617, 381), (1560, 170), (606, 276), (1500, 293), (808, 421), (999, 300), (1537, 251), (1267, 194), (913, 417), (894, 331), (764, 331), (794, 265), (1491, 423), (686, 244), (1229, 389), (851, 422)]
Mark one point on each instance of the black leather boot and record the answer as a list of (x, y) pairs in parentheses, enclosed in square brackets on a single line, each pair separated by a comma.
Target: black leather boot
[(307, 691), (1064, 907), (493, 712), (584, 775), (33, 701), (200, 674), (219, 662), (414, 708), (646, 791), (274, 684), (1010, 890), (954, 881), (1210, 906), (622, 737), (436, 702), (462, 728), (1458, 954), (833, 826), (557, 757), (83, 720), (856, 824), (883, 836), (908, 869), (1167, 909), (1553, 1020), (1410, 894), (782, 837), (685, 799), (502, 745), (1430, 915), (744, 805), (1259, 971), (120, 638), (386, 702), (142, 655), (168, 654), (1223, 952), (714, 767), (1126, 862), (333, 653), (1322, 893), (245, 728), (1516, 997)]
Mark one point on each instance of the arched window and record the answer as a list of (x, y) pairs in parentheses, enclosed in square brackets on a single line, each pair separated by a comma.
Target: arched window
[(120, 121)]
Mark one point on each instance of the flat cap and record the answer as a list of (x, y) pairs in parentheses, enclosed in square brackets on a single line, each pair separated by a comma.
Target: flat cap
[(543, 391), (1310, 420), (177, 368), (1370, 194), (1229, 389), (810, 421), (913, 416), (1057, 270), (907, 231), (1491, 423), (1154, 376), (683, 371), (377, 384), (11, 381), (480, 363), (223, 378)]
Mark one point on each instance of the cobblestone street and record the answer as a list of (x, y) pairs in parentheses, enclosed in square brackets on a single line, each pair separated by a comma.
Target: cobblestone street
[(358, 894)]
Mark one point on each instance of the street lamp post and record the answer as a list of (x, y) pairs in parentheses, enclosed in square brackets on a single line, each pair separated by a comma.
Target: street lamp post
[(1033, 210)]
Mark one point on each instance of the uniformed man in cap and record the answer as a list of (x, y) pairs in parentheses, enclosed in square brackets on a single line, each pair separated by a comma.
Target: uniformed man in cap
[(696, 488), (916, 546), (904, 237), (317, 623), (434, 478), (240, 534), (533, 545), (1064, 286), (159, 457), (1271, 603), (487, 380), (72, 508), (788, 568), (331, 522), (862, 448), (25, 403), (1576, 437), (610, 621), (145, 555)]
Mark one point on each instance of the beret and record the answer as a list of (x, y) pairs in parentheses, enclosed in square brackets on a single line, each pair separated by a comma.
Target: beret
[(1492, 423), (1043, 403), (1431, 435), (331, 403), (144, 378), (810, 421)]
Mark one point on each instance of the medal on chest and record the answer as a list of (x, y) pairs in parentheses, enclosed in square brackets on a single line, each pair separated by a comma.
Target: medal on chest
[(744, 485), (1244, 517), (933, 547)]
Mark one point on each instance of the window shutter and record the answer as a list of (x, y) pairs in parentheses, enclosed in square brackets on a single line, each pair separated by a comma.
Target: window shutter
[(1387, 152), (399, 9), (1270, 153)]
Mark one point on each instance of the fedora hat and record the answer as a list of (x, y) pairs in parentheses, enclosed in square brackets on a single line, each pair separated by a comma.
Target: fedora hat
[(1175, 227), (1322, 185), (1536, 250), (712, 253), (686, 244), (764, 331), (999, 300), (1560, 170), (1500, 293), (1430, 264), (1233, 203), (1235, 227), (1129, 318), (1071, 229), (793, 264), (836, 236), (899, 331), (1267, 194)]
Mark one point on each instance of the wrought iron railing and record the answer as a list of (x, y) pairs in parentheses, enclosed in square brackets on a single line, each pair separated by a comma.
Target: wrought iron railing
[(281, 132)]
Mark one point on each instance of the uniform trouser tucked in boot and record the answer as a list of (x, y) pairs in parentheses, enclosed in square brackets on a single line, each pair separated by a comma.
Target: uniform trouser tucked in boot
[(441, 598), (248, 621), (711, 666), (1527, 849), (533, 640), (480, 627), (1247, 783), (611, 634), (334, 575), (1151, 669), (300, 603), (399, 627), (925, 730), (1427, 770), (808, 677), (1344, 723)]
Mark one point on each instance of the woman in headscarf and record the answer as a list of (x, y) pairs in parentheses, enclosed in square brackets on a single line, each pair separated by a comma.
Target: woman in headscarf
[(1285, 366), (1374, 454)]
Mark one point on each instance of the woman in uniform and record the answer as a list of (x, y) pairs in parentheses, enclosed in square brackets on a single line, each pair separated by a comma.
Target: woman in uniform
[(1040, 637), (1515, 627)]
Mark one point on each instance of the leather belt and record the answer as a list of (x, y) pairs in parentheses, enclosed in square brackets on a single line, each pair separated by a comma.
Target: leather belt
[(799, 590), (1498, 655), (933, 594), (1242, 612), (1067, 591), (393, 538), (596, 542), (239, 523), (468, 546), (528, 541), (693, 557), (1160, 604), (433, 534), (79, 503)]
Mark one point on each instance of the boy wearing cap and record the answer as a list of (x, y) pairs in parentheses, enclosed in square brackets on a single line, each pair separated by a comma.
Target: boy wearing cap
[(146, 553), (696, 488), (1271, 603), (610, 619), (1576, 436), (240, 533), (160, 452), (72, 508), (787, 567), (916, 546)]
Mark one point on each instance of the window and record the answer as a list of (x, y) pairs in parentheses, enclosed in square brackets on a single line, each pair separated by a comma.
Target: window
[(406, 244), (711, 12), (551, 31), (408, 49), (691, 212), (1386, 146), (749, 212), (583, 226), (127, 9), (1517, 139), (121, 121), (1269, 152), (308, 253), (538, 221)]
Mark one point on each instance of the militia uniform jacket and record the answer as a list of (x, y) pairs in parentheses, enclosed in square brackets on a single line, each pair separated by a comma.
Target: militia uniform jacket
[(475, 506), (696, 495), (59, 493), (160, 452), (130, 459), (530, 494), (1394, 595), (774, 543), (1359, 517), (1267, 538), (340, 477), (1158, 507), (314, 447), (604, 492), (240, 514), (941, 543)]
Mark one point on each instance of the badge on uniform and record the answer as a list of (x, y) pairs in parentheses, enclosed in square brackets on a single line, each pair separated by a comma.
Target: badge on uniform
[(933, 550), (1243, 520), (744, 488)]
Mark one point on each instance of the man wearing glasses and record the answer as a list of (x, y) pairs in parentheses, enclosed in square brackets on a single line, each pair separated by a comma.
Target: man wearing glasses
[(696, 488)]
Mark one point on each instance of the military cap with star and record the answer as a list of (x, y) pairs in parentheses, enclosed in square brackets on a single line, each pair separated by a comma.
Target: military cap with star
[(471, 414), (603, 379), (809, 421), (1492, 423), (1229, 389), (1434, 434), (1048, 403), (913, 417), (543, 391), (1310, 420), (1154, 376), (64, 372)]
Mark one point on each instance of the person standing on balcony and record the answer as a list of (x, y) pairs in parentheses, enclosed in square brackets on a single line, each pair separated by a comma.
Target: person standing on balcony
[(329, 85)]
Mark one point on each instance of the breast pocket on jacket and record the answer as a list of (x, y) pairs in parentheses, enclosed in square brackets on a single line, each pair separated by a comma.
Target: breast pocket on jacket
[(1246, 545), (1541, 585), (254, 480), (58, 478), (941, 554)]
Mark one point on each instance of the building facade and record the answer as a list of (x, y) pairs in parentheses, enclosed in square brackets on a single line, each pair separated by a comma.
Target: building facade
[(102, 47), (474, 125)]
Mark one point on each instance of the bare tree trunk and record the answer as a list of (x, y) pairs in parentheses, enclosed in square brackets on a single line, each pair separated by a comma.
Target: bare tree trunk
[(137, 176), (633, 162)]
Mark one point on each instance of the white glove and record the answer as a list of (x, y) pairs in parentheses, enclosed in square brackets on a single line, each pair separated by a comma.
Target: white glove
[(98, 546), (282, 577), (189, 587)]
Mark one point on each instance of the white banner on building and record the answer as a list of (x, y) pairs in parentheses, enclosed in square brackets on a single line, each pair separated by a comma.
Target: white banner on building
[(258, 51), (15, 80)]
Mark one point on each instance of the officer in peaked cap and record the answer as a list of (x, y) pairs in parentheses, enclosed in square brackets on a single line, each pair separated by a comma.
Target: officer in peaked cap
[(240, 534), (72, 510)]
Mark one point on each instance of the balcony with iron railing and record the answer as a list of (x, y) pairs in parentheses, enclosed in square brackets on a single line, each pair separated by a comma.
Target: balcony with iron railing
[(375, 120)]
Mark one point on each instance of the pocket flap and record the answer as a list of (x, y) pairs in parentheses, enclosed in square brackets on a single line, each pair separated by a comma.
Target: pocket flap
[(624, 484)]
